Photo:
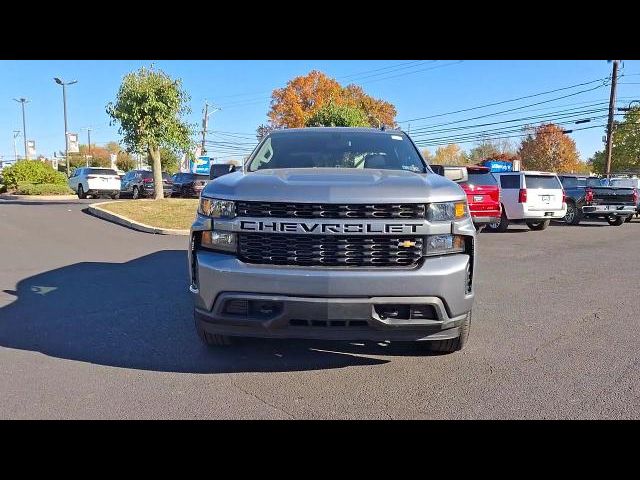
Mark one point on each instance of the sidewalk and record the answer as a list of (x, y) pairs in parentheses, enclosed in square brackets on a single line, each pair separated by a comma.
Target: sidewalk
[(7, 196)]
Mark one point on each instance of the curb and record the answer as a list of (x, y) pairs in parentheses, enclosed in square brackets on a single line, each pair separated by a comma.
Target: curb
[(96, 211), (53, 198)]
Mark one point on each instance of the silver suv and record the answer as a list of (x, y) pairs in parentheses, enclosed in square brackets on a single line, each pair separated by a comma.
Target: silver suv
[(334, 233)]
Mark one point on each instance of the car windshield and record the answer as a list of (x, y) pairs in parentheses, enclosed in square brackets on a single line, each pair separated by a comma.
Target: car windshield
[(542, 181), (334, 149), (101, 171), (623, 182), (480, 178)]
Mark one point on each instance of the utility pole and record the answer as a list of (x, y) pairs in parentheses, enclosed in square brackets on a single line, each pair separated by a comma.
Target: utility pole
[(23, 100), (612, 107), (66, 131), (205, 124), (16, 134)]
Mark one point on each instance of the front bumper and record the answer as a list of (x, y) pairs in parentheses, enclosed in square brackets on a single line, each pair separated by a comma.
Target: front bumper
[(332, 303), (608, 210)]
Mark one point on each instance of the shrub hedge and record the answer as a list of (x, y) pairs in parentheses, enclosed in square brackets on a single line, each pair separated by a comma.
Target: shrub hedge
[(27, 188), (33, 172)]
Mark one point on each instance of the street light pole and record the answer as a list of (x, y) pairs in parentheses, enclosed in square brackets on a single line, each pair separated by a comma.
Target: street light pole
[(66, 130), (23, 100)]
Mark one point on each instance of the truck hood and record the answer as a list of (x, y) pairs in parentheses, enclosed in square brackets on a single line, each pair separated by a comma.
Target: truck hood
[(334, 185)]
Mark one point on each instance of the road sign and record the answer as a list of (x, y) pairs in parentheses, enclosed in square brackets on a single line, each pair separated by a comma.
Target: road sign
[(72, 143), (31, 148), (201, 165)]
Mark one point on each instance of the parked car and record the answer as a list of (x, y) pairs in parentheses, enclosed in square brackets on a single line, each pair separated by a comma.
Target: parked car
[(95, 181), (139, 184), (188, 184), (220, 169), (628, 182), (588, 198), (534, 198), (483, 194)]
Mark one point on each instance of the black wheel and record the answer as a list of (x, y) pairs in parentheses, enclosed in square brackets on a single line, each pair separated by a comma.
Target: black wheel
[(541, 225), (628, 219), (615, 221), (135, 193), (574, 215), (81, 193), (212, 339), (500, 226), (115, 196), (454, 344)]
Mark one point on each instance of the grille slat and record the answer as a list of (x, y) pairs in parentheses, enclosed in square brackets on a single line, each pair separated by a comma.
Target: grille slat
[(313, 210), (328, 250)]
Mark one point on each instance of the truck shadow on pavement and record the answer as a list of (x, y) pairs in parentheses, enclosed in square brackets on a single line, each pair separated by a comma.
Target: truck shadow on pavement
[(138, 314)]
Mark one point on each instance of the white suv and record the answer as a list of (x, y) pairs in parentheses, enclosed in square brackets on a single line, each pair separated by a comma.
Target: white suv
[(534, 198), (95, 181)]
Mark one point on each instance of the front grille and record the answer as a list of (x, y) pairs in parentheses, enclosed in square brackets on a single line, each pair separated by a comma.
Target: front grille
[(329, 250), (325, 210)]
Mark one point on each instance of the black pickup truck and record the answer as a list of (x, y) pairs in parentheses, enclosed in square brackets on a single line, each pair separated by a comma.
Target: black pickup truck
[(587, 198)]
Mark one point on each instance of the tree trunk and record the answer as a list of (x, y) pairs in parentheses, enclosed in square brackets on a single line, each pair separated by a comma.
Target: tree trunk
[(154, 153)]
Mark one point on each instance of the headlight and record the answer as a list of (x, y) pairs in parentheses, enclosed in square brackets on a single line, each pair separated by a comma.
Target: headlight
[(446, 211), (444, 244), (223, 241), (214, 208)]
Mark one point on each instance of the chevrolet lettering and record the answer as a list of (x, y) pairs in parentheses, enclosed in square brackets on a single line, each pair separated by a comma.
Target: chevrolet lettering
[(334, 233)]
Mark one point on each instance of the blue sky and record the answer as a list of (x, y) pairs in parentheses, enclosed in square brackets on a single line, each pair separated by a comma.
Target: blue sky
[(242, 88)]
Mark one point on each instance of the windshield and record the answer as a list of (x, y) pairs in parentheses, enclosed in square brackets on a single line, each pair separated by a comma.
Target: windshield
[(331, 149), (623, 182), (484, 179), (543, 181), (101, 171)]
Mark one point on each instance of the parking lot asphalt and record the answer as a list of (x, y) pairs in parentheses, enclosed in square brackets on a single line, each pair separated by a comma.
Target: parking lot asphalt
[(96, 322)]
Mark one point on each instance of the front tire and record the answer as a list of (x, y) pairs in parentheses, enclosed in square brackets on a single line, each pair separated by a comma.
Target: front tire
[(615, 221), (81, 193), (454, 344), (135, 193), (574, 215), (538, 225), (628, 219), (212, 339)]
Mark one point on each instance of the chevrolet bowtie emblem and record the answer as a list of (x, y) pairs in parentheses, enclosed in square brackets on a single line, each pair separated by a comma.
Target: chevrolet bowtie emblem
[(407, 244)]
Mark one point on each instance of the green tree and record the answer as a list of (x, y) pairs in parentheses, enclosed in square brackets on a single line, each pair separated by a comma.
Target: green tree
[(332, 115), (625, 154), (169, 160), (149, 108)]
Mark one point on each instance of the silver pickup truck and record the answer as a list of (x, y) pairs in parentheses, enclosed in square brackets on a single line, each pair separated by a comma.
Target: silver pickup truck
[(334, 233)]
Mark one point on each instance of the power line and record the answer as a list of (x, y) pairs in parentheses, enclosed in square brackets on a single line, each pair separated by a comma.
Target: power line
[(511, 109), (430, 144), (506, 101), (551, 116)]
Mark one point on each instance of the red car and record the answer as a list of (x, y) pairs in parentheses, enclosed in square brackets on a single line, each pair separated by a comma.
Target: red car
[(483, 194)]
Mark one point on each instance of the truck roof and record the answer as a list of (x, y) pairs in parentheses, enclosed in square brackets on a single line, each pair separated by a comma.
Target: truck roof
[(285, 131)]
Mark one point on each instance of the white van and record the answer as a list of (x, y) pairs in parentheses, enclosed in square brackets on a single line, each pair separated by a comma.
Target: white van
[(534, 198)]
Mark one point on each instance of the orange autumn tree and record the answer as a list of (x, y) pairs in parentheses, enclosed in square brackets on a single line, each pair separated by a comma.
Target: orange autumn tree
[(546, 148), (293, 105)]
